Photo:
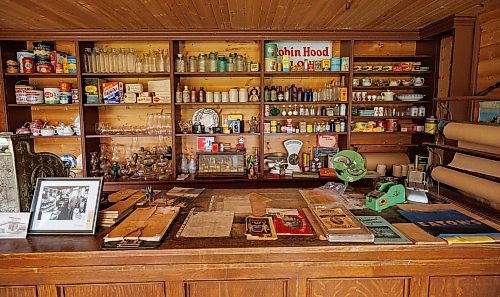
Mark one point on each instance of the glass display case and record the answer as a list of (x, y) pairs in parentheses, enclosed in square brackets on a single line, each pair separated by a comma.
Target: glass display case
[(221, 164)]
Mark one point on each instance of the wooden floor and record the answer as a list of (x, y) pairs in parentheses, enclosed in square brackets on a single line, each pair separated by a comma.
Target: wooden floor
[(75, 266)]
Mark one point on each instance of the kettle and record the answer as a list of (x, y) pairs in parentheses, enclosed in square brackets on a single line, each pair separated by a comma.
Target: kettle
[(388, 96)]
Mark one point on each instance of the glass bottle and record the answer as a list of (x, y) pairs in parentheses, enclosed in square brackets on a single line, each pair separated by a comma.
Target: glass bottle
[(274, 94), (114, 61), (88, 59), (281, 94), (138, 65), (193, 67), (185, 95), (105, 65), (221, 64), (194, 95), (202, 63), (180, 65), (101, 60), (161, 61), (230, 64), (131, 60), (212, 62), (201, 95), (121, 61), (152, 61), (145, 63), (184, 164), (240, 63), (192, 165), (178, 93)]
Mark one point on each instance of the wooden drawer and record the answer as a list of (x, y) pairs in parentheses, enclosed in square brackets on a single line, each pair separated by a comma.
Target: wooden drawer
[(357, 287), (115, 290), (464, 286), (240, 288), (25, 291)]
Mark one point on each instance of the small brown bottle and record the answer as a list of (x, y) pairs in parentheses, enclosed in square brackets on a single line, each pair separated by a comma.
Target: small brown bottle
[(194, 95), (201, 95)]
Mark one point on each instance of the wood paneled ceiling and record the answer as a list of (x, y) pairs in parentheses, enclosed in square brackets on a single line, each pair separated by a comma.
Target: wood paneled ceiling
[(180, 15)]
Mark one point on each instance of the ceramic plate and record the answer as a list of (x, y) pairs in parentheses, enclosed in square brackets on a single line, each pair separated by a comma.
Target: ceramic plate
[(69, 160), (207, 117)]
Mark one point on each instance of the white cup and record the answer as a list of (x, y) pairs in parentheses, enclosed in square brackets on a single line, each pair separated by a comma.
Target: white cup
[(243, 95), (233, 95), (217, 97), (209, 97), (225, 97)]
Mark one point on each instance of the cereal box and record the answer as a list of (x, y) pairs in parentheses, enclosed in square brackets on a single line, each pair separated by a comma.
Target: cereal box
[(112, 92)]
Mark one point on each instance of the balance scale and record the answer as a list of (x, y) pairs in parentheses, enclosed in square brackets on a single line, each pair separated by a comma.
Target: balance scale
[(416, 187), (293, 147)]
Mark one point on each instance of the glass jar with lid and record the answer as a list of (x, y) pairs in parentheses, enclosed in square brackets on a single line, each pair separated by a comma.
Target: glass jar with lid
[(202, 63), (240, 63), (193, 67), (180, 64), (230, 64), (221, 64), (212, 62)]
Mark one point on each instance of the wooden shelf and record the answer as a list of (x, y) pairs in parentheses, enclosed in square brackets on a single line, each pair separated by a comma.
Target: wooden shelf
[(217, 103), (390, 57), (385, 117), (128, 74), (44, 105), (311, 134), (306, 73), (217, 74), (395, 102), (305, 103), (388, 88), (217, 134), (40, 75), (385, 145), (386, 132), (124, 104), (271, 118), (125, 135), (55, 136), (392, 72)]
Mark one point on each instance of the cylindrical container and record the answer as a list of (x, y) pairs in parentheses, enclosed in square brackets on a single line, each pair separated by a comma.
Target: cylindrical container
[(202, 63), (381, 168), (65, 86), (430, 125), (71, 64), (212, 62), (240, 63), (29, 65), (309, 128), (397, 170), (414, 111), (74, 96), (217, 97), (209, 97), (391, 125), (270, 64), (421, 111), (270, 50), (221, 64), (404, 169), (243, 95), (233, 95), (225, 97), (12, 66), (34, 96), (274, 126), (20, 91), (64, 97), (50, 95), (193, 67), (306, 160)]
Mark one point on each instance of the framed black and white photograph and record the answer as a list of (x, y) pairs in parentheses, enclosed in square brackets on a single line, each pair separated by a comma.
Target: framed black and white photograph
[(65, 206), (14, 224)]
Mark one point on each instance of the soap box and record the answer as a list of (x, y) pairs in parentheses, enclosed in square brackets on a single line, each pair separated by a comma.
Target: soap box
[(130, 98), (112, 92), (159, 86), (162, 97), (144, 99), (133, 88)]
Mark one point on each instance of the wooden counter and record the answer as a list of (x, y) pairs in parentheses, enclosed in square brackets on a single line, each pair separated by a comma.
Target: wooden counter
[(75, 266)]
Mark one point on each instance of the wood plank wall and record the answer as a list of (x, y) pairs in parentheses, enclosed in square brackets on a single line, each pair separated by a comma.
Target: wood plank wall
[(489, 51)]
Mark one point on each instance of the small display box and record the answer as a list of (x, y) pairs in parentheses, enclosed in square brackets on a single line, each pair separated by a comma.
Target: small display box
[(221, 164)]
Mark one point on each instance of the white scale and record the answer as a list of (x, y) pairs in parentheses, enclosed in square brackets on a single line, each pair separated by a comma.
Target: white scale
[(293, 147)]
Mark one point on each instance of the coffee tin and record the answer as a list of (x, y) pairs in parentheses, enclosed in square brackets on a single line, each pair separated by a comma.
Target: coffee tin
[(270, 50), (50, 95)]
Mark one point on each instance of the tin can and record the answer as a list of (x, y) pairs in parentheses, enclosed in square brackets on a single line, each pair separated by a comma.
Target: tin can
[(274, 127), (29, 65), (45, 68), (20, 91), (306, 162), (270, 64), (59, 68), (64, 97), (12, 66), (34, 96), (74, 96), (430, 126), (270, 50), (391, 125), (309, 128), (50, 95), (65, 86), (215, 147), (71, 64)]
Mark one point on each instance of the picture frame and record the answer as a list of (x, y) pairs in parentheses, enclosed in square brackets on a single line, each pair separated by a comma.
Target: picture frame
[(65, 206), (14, 225)]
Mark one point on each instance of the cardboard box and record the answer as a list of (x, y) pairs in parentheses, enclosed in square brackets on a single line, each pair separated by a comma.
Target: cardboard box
[(325, 64), (133, 88), (130, 98), (204, 143), (112, 92), (93, 90), (162, 97), (159, 86), (144, 99), (286, 63)]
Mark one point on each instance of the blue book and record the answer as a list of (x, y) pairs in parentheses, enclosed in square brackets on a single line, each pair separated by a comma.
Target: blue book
[(445, 223)]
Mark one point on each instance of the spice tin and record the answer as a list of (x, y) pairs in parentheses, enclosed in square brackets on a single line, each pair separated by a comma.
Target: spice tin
[(270, 64), (50, 95), (34, 96), (64, 97), (430, 125), (391, 125), (270, 50)]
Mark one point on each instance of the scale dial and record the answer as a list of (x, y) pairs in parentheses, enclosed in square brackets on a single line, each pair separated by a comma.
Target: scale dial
[(293, 147), (293, 159)]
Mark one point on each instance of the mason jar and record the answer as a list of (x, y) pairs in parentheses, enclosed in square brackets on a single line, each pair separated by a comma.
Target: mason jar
[(193, 67), (240, 63), (180, 64), (212, 62), (202, 63)]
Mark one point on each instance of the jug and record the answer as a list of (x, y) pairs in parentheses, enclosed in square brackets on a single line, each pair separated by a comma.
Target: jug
[(418, 81), (366, 82), (388, 96)]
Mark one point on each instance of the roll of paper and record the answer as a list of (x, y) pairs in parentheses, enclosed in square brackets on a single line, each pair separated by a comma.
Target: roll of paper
[(475, 133), (389, 159), (487, 191), (397, 170)]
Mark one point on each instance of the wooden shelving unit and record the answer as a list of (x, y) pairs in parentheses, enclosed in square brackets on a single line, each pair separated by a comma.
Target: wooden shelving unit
[(360, 52)]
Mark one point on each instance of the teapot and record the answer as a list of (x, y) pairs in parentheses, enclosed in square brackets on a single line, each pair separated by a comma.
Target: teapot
[(24, 129), (35, 127), (418, 81), (388, 96), (366, 82), (65, 130), (394, 83), (48, 131)]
